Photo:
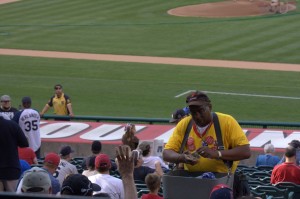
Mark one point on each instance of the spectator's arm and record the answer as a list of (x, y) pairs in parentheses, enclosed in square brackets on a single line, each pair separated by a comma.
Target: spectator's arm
[(45, 109), (126, 167), (158, 169), (69, 106)]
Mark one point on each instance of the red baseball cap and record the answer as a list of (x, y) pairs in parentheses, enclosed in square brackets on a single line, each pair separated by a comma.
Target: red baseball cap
[(102, 161), (221, 191), (52, 158)]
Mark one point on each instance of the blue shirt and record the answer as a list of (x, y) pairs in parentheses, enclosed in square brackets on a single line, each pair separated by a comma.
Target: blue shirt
[(267, 160)]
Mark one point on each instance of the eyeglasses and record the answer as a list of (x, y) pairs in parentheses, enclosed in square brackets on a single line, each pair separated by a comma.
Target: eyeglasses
[(5, 101), (199, 109), (57, 88)]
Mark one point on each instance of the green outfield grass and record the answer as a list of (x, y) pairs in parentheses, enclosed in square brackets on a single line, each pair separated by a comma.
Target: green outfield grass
[(134, 27)]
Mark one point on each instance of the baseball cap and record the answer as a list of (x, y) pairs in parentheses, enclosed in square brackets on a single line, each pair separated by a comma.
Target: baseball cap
[(66, 150), (197, 98), (5, 98), (221, 191), (36, 180), (78, 184), (52, 158), (177, 115), (102, 161), (26, 100)]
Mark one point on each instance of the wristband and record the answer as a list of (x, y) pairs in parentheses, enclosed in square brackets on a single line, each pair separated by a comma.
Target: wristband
[(219, 155)]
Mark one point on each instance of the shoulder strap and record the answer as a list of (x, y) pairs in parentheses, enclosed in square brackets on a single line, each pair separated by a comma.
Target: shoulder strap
[(219, 138), (186, 134)]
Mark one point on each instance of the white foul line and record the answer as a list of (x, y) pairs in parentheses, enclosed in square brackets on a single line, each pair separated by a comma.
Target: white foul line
[(241, 94)]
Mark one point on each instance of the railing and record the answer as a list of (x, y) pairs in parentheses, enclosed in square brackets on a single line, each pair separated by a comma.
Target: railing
[(164, 120)]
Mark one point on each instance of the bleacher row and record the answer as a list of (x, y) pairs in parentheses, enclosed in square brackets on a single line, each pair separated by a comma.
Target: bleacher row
[(259, 180)]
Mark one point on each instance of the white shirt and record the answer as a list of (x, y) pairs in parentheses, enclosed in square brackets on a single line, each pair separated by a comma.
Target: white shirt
[(109, 184), (64, 168), (150, 162)]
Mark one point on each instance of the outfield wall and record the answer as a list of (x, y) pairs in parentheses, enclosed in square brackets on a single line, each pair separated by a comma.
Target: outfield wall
[(80, 135)]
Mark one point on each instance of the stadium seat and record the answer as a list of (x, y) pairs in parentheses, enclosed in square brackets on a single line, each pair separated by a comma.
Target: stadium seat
[(291, 187), (273, 191)]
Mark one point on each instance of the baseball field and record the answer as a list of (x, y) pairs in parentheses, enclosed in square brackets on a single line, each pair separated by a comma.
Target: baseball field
[(249, 65)]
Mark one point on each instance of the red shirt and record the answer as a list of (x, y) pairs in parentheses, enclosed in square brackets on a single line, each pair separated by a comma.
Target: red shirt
[(286, 172), (151, 196), (26, 154)]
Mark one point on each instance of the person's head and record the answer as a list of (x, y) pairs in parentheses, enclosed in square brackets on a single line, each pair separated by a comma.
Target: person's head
[(269, 148), (137, 158), (102, 163), (221, 191), (129, 128), (51, 162), (58, 89), (145, 147), (290, 152), (295, 144), (96, 147), (78, 184), (5, 102), (36, 180), (26, 102), (153, 182), (65, 153), (200, 107), (178, 115)]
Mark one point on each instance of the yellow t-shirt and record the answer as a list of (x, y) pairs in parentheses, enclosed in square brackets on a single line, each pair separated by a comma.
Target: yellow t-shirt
[(232, 135), (60, 104)]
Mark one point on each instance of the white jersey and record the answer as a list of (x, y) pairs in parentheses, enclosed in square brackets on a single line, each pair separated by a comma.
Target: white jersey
[(109, 184), (64, 168), (150, 162), (29, 121)]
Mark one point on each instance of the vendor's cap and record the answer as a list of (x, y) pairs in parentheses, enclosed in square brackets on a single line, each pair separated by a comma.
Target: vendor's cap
[(36, 180), (5, 98), (177, 116), (78, 184), (197, 98), (221, 191), (66, 150), (102, 161), (26, 100), (52, 158)]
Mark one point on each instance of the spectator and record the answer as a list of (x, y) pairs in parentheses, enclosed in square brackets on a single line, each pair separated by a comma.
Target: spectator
[(79, 185), (178, 115), (140, 172), (125, 165), (296, 145), (268, 159), (149, 160), (287, 171), (60, 102), (96, 148), (28, 155), (153, 182), (90, 167), (129, 137), (51, 162), (29, 121), (202, 139), (6, 108), (221, 191), (65, 168), (24, 166), (36, 180), (109, 184), (11, 137)]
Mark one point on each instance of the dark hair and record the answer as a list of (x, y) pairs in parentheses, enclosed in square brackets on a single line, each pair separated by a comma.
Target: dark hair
[(90, 162), (96, 147), (153, 181), (290, 151), (57, 85), (295, 143)]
